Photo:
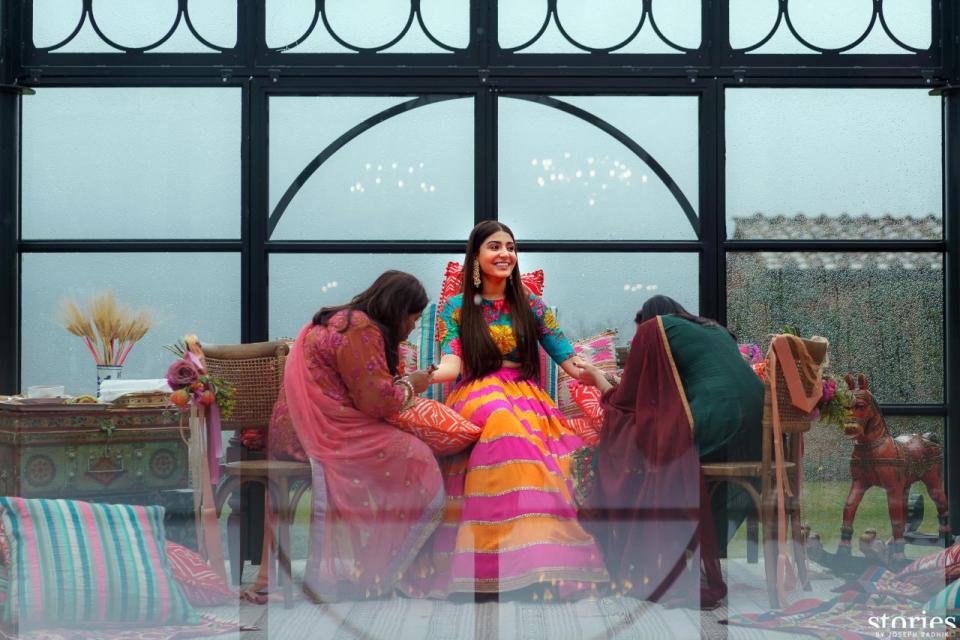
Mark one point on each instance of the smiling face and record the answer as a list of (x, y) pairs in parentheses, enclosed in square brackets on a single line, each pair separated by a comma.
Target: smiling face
[(497, 256)]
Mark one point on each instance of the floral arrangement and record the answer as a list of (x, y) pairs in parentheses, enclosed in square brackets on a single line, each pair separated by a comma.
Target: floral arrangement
[(109, 330), (836, 403), (192, 384)]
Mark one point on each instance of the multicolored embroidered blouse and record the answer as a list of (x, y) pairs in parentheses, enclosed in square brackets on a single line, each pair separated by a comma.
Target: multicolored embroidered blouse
[(497, 315)]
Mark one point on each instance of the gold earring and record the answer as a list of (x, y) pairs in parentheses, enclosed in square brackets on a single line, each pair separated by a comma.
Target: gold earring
[(476, 274)]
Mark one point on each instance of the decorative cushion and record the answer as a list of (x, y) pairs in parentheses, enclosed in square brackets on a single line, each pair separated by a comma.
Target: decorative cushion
[(409, 356), (933, 569), (588, 399), (78, 563), (947, 601), (586, 429), (548, 372), (200, 583), (599, 350), (429, 354), (444, 430)]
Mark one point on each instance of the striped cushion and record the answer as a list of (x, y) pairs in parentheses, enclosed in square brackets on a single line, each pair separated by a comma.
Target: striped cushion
[(430, 353), (947, 601), (77, 563), (599, 350)]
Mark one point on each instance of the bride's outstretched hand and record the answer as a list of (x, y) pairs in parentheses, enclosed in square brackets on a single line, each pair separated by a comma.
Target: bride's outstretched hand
[(592, 376)]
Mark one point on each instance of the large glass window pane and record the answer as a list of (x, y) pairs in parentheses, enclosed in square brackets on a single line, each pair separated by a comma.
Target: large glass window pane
[(301, 284), (344, 26), (882, 312), (598, 291), (410, 176), (141, 24), (833, 164), (131, 163), (619, 26), (898, 26), (187, 292), (588, 299), (567, 177)]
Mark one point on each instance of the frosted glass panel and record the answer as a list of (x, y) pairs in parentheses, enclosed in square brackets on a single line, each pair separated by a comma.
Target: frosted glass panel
[(833, 164), (561, 177), (189, 293), (131, 163), (408, 177), (831, 25), (141, 24), (617, 26), (368, 24), (882, 312), (589, 298), (302, 284), (597, 291)]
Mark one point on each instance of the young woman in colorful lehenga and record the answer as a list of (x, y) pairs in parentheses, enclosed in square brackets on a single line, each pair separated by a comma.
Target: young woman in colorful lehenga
[(384, 492), (512, 520)]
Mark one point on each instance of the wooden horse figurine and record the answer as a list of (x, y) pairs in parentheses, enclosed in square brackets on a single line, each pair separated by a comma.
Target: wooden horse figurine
[(894, 464)]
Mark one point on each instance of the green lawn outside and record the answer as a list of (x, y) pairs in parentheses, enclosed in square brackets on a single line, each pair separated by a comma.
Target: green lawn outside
[(822, 507)]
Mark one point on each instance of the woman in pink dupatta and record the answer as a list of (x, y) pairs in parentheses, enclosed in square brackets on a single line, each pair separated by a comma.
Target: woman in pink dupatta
[(384, 492)]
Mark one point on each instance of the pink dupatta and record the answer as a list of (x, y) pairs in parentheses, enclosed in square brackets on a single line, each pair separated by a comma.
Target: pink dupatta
[(383, 487)]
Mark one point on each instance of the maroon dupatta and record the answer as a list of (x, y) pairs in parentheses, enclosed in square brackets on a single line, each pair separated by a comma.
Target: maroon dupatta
[(649, 510)]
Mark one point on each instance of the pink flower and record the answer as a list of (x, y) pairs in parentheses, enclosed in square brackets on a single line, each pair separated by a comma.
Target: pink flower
[(815, 415), (829, 390), (181, 374)]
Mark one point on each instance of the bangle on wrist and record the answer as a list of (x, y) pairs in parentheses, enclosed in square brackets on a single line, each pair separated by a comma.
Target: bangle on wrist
[(408, 393)]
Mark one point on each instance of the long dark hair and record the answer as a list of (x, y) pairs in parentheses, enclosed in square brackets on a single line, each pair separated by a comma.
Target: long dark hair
[(480, 355), (666, 306), (387, 302)]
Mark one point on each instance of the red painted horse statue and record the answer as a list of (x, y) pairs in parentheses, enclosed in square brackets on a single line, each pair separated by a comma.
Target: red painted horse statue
[(894, 464)]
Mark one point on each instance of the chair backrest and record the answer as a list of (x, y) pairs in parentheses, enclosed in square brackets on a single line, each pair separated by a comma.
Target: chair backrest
[(793, 421), (256, 372)]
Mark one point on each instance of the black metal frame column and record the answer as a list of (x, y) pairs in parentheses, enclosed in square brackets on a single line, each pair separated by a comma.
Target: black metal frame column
[(951, 231), (9, 199)]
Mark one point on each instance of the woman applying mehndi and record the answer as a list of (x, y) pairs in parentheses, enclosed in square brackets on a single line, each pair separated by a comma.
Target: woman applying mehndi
[(518, 521), (686, 396), (384, 492)]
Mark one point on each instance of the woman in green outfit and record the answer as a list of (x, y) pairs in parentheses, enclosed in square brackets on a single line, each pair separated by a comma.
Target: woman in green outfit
[(724, 395)]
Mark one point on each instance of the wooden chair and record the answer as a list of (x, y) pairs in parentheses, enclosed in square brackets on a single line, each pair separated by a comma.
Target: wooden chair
[(757, 478), (256, 372)]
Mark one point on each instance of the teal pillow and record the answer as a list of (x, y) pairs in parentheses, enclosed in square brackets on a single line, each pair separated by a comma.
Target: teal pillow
[(947, 601), (79, 563)]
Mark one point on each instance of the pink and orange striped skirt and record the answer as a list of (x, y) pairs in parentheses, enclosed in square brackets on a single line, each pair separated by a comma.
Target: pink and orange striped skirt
[(511, 519)]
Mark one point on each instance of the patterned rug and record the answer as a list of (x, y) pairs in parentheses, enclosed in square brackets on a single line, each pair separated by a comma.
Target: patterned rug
[(877, 605)]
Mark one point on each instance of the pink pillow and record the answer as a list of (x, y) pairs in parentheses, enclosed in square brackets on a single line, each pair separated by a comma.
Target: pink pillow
[(586, 429), (588, 399), (200, 584), (444, 430), (408, 358), (599, 350)]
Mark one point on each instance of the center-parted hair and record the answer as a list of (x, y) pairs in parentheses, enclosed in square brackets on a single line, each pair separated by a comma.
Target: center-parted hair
[(480, 355)]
